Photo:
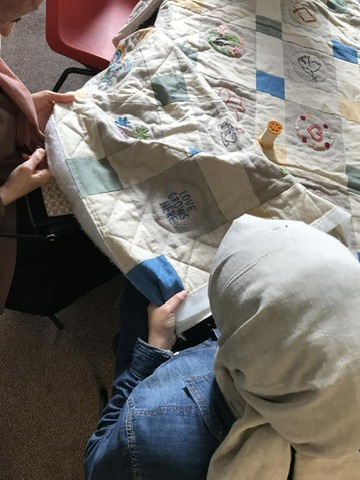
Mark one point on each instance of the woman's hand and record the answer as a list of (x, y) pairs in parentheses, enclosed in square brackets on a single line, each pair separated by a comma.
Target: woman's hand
[(44, 103), (28, 176), (161, 321)]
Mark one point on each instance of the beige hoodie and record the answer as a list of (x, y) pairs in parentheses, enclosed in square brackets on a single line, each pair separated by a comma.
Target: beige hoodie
[(285, 297)]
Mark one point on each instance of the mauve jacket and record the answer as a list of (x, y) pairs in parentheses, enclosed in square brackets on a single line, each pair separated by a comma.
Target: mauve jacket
[(18, 130)]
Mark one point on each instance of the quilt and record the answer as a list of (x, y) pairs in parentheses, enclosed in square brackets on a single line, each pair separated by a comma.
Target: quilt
[(160, 152), (295, 62)]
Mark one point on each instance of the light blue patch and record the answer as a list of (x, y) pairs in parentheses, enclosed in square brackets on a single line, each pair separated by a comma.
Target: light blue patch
[(358, 253), (169, 89), (338, 6), (268, 26), (156, 279), (353, 175), (267, 83), (191, 53), (344, 52), (194, 151), (94, 176)]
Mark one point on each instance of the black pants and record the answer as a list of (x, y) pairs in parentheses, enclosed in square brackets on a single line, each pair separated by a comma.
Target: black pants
[(50, 275)]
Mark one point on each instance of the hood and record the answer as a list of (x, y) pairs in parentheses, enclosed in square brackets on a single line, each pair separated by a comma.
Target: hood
[(285, 297)]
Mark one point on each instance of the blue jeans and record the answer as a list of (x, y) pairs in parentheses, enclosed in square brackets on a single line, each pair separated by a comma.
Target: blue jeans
[(134, 324), (165, 419)]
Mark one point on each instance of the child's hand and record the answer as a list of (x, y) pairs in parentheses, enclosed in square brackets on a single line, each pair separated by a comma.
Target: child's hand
[(161, 322)]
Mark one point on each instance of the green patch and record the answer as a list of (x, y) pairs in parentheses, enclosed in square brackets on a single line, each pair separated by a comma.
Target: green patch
[(169, 89), (189, 52), (141, 133), (353, 175), (267, 26)]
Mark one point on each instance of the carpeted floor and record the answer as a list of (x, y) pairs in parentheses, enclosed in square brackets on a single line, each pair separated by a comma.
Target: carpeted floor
[(49, 379), (49, 385)]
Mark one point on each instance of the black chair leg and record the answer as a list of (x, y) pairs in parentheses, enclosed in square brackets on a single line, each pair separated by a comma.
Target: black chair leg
[(56, 321), (81, 71)]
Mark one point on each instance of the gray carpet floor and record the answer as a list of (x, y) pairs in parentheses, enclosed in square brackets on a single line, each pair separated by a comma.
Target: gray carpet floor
[(49, 379)]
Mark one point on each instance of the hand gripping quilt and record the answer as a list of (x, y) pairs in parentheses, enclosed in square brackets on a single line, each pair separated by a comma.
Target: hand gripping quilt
[(156, 168)]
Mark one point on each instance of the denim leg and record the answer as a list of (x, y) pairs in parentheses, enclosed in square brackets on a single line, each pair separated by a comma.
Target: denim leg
[(133, 324), (173, 427)]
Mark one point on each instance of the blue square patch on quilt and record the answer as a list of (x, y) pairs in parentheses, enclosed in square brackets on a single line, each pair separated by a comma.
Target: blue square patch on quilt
[(267, 83), (344, 52), (169, 89), (268, 26), (93, 176), (156, 279)]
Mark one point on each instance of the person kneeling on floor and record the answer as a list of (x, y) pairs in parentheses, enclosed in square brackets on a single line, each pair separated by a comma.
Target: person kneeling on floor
[(284, 400)]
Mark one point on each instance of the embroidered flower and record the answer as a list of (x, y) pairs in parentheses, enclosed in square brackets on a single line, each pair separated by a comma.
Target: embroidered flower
[(226, 42), (141, 133), (123, 122), (237, 51)]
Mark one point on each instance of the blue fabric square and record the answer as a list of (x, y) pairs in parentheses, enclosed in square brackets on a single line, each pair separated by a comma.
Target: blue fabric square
[(344, 52), (267, 83), (194, 151), (156, 279)]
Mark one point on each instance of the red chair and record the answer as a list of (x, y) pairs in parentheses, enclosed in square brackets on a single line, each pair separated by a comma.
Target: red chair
[(83, 30)]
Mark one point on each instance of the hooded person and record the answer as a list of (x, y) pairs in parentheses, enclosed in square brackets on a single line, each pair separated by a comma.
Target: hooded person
[(285, 297), (284, 402)]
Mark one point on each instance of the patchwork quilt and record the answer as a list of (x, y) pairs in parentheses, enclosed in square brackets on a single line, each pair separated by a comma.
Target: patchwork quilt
[(160, 152)]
